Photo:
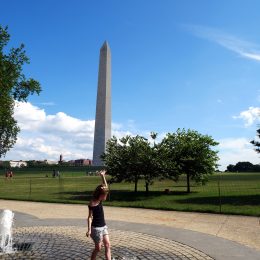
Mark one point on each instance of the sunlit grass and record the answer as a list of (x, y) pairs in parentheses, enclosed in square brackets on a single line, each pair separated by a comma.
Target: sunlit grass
[(240, 192)]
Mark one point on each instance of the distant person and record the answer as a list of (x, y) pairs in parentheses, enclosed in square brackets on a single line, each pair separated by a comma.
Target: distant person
[(11, 175), (54, 173), (97, 228)]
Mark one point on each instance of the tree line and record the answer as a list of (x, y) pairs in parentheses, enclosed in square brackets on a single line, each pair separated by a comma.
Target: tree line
[(243, 167), (134, 158)]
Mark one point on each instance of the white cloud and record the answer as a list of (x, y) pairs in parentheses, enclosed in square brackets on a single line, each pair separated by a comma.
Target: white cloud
[(233, 150), (249, 116), (244, 48), (253, 56), (46, 136)]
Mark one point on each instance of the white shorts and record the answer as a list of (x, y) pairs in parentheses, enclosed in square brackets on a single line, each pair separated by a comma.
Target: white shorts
[(97, 233)]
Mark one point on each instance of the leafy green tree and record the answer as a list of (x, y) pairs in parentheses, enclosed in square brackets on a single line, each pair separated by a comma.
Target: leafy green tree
[(13, 86), (243, 167), (150, 161), (189, 152), (4, 164), (257, 143), (115, 158), (230, 168), (136, 148), (130, 159), (121, 159)]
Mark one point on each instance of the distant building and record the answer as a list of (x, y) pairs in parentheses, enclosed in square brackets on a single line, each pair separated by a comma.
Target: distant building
[(82, 162), (18, 164), (71, 162), (49, 162)]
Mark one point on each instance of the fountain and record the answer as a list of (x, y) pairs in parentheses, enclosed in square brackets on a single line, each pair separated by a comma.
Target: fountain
[(6, 223)]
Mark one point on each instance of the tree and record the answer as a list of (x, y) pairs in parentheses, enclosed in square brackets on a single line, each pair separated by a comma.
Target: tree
[(243, 167), (132, 158), (118, 160), (230, 168), (14, 86), (149, 161), (4, 164), (257, 143), (189, 152)]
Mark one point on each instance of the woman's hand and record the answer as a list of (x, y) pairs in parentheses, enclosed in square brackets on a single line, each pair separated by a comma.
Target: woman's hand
[(102, 173), (88, 233), (103, 177)]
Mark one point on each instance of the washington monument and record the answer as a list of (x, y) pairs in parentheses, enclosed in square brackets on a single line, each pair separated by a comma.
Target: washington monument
[(103, 106)]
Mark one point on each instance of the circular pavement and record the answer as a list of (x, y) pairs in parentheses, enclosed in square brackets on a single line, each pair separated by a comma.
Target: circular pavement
[(70, 242)]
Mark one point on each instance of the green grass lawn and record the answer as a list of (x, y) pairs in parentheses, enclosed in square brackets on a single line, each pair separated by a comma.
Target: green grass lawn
[(240, 192)]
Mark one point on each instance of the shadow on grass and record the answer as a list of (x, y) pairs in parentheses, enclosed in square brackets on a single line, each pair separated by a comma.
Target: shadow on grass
[(241, 200), (120, 195)]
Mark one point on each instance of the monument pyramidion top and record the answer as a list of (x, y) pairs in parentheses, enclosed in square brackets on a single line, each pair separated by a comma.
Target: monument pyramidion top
[(105, 46)]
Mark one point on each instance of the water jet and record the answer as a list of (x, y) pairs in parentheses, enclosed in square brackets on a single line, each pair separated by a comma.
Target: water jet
[(6, 232)]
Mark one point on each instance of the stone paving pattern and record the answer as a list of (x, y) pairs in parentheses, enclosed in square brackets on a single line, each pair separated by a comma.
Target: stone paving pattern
[(70, 242)]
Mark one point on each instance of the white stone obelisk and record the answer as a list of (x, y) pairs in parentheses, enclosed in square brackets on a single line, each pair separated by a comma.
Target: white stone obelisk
[(103, 106)]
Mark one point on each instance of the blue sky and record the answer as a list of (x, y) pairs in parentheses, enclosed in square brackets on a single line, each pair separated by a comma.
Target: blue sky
[(192, 64)]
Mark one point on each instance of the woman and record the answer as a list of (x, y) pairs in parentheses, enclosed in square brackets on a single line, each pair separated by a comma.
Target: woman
[(97, 228)]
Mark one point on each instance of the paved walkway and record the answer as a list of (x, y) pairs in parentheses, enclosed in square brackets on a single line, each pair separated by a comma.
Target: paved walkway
[(182, 235)]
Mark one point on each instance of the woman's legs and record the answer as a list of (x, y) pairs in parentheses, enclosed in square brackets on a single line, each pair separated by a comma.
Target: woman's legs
[(97, 249), (107, 247)]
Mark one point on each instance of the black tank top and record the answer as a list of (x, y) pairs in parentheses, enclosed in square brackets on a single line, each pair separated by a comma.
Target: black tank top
[(98, 215)]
